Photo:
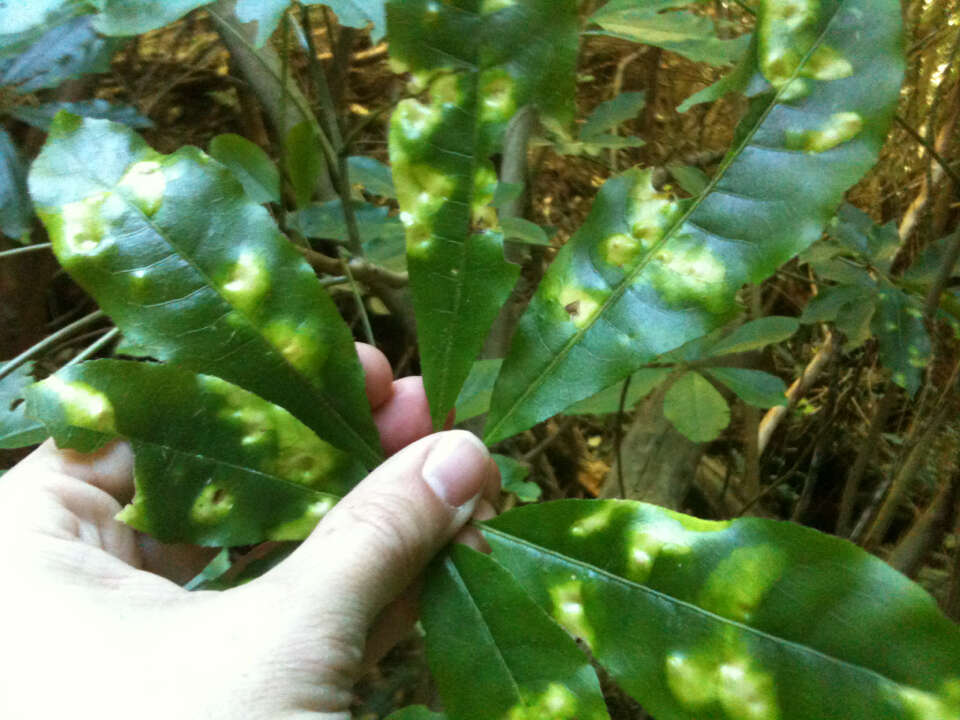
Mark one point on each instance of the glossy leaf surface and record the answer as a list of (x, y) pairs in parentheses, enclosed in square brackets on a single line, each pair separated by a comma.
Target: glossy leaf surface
[(642, 382), (494, 653), (647, 273), (16, 429), (480, 65), (250, 165), (41, 116), (196, 273), (61, 52), (375, 177), (745, 620), (902, 338), (696, 408), (755, 335), (662, 23), (475, 395), (326, 220), (253, 473), (135, 17)]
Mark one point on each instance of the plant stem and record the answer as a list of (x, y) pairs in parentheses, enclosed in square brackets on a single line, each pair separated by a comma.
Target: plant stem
[(868, 451), (26, 249), (361, 308), (928, 146), (943, 277), (49, 342), (618, 438), (363, 270)]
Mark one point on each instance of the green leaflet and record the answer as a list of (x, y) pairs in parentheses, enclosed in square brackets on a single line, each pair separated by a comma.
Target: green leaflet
[(15, 215), (745, 620), (902, 338), (40, 116), (696, 408), (134, 17), (417, 712), (250, 165), (480, 64), (494, 653), (196, 273), (754, 387), (647, 273), (642, 383), (16, 429), (253, 473), (513, 478), (754, 335)]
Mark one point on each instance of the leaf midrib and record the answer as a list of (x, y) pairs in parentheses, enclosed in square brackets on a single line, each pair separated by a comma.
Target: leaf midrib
[(320, 394), (618, 291), (690, 607)]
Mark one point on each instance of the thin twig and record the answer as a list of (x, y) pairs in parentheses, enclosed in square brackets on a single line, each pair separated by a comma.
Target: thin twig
[(538, 449), (95, 347), (26, 249), (364, 318), (363, 270), (928, 146), (49, 342)]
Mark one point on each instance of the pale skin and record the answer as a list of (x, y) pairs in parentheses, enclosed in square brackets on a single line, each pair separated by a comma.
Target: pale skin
[(94, 623)]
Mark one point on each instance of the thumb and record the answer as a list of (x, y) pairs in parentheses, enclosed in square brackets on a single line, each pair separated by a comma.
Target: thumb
[(381, 536)]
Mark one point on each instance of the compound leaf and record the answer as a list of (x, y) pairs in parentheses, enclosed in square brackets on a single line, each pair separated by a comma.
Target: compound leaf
[(494, 654), (642, 382), (749, 620), (376, 178), (253, 473), (696, 408), (481, 65), (16, 429), (611, 114), (647, 273), (196, 273)]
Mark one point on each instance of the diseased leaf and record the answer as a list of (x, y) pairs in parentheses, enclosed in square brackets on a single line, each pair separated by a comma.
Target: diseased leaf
[(16, 429), (902, 338), (925, 268), (513, 475), (647, 273), (750, 619), (481, 65), (611, 114), (250, 165), (642, 383), (376, 178), (196, 273), (15, 212), (754, 387), (41, 116), (696, 408), (254, 473), (135, 17), (475, 395), (755, 335), (58, 53), (214, 570), (679, 31), (494, 654)]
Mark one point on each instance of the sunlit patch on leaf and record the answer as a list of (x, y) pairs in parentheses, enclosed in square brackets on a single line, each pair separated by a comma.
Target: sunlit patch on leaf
[(82, 405), (738, 584), (569, 610), (145, 183), (840, 128)]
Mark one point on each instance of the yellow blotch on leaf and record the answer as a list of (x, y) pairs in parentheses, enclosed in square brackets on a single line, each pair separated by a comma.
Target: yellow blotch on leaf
[(920, 705), (840, 128), (491, 6), (686, 275), (146, 184), (739, 582), (555, 703), (212, 505), (248, 281), (650, 214), (301, 344), (580, 305), (568, 610), (299, 528), (81, 228), (497, 96), (83, 406)]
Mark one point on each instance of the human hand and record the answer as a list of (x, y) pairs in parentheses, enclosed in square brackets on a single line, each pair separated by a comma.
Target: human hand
[(95, 625)]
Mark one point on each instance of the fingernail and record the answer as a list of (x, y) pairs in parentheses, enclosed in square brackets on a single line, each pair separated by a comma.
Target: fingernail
[(456, 468)]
